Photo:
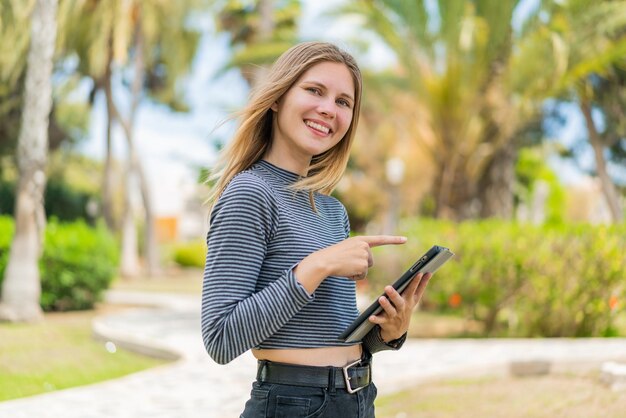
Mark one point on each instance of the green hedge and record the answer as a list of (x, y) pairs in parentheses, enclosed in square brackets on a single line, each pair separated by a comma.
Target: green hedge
[(191, 254), (78, 263), (521, 280), (6, 234), (61, 200)]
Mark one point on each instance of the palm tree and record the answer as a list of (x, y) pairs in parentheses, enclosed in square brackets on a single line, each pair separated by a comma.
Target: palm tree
[(15, 34), (585, 41), (454, 61), (151, 41), (260, 31), (21, 288), (610, 95), (605, 36), (13, 51)]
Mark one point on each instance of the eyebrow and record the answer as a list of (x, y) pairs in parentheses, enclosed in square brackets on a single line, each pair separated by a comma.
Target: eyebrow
[(317, 83)]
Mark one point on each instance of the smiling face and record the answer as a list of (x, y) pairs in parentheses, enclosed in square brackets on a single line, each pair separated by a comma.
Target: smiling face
[(312, 116)]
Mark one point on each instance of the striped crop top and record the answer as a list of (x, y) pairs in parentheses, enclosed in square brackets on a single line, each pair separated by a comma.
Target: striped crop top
[(259, 231)]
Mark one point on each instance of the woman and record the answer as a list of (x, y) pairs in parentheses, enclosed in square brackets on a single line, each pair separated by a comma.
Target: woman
[(280, 270)]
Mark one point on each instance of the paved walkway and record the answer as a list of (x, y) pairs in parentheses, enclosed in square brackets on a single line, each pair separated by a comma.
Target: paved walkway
[(195, 386)]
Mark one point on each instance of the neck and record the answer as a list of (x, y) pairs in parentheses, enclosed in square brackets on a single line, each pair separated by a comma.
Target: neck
[(286, 161)]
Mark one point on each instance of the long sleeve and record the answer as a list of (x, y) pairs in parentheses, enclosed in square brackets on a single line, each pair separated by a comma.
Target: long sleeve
[(373, 343), (236, 315)]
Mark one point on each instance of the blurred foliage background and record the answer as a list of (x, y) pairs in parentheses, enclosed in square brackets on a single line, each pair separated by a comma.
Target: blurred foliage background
[(457, 138), (519, 280)]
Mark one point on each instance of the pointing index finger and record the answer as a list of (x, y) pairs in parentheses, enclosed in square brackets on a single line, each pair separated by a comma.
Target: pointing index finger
[(377, 240)]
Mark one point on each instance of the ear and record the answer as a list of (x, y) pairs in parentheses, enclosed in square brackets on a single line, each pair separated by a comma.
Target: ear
[(274, 107)]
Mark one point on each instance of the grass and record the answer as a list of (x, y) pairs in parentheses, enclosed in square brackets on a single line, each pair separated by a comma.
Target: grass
[(60, 353), (571, 393)]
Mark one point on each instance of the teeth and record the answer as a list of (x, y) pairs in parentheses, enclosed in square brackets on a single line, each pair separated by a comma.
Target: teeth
[(317, 126)]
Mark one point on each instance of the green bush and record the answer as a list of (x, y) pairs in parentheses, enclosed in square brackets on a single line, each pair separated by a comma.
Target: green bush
[(6, 234), (77, 265), (67, 203), (191, 254), (522, 280), (7, 197), (61, 200)]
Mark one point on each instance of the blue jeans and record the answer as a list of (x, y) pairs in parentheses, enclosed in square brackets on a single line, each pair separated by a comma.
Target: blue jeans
[(270, 400)]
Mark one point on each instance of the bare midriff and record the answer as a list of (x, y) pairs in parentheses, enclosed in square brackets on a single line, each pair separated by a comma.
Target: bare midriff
[(324, 356)]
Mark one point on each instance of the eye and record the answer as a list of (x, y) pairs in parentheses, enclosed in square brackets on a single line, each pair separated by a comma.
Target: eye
[(343, 102), (313, 90)]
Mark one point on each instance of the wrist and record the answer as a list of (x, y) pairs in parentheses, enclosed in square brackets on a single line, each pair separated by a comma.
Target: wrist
[(310, 272), (386, 336), (393, 342)]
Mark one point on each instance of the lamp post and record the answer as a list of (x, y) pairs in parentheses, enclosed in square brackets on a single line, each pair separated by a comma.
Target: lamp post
[(394, 171)]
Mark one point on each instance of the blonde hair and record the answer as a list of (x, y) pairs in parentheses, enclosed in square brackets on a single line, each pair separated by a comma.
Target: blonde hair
[(252, 138)]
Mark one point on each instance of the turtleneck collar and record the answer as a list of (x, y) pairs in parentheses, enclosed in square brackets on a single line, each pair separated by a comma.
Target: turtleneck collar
[(280, 173)]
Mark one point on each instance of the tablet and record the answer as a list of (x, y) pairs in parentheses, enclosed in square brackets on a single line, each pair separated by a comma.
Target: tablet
[(428, 263)]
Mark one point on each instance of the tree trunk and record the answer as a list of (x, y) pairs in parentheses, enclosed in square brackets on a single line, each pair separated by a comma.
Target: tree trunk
[(608, 188), (107, 178), (254, 73), (21, 289), (136, 168), (151, 251), (150, 245), (495, 189), (447, 175), (129, 263), (129, 257), (266, 29)]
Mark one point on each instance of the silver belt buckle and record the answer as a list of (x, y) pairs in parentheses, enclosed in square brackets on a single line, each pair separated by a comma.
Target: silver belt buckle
[(346, 378)]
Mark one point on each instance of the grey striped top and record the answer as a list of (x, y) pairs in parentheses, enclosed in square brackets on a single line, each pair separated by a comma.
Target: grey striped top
[(259, 231)]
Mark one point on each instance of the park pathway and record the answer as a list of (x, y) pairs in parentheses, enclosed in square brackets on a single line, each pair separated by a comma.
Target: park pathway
[(196, 387)]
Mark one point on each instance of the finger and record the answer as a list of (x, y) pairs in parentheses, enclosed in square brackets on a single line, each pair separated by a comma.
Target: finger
[(412, 288), (377, 240), (396, 298), (377, 319), (411, 292), (370, 258), (358, 276), (389, 309), (417, 294)]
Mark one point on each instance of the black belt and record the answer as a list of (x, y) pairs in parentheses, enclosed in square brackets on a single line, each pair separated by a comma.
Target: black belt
[(353, 377)]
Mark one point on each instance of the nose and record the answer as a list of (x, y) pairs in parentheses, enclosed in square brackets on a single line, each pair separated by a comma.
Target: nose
[(327, 108)]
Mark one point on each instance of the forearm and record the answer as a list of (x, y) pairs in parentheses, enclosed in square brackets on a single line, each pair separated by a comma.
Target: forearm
[(232, 324), (311, 272)]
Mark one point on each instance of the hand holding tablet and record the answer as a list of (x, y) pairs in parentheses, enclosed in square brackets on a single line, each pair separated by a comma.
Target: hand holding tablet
[(428, 263)]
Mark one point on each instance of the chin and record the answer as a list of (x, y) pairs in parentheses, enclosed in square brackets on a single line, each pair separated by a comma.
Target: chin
[(317, 150), (313, 150)]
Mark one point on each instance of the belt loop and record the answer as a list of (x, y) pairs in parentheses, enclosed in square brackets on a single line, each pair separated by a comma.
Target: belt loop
[(331, 379), (260, 369)]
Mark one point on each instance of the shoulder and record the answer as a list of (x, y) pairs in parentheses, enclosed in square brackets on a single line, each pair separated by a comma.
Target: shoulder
[(337, 210), (248, 194), (332, 208), (249, 187), (248, 181), (246, 208), (330, 203)]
